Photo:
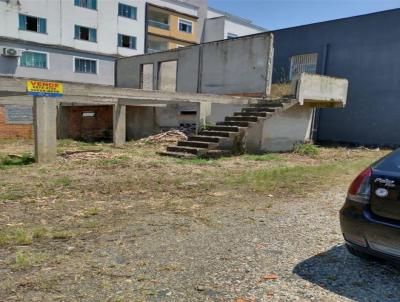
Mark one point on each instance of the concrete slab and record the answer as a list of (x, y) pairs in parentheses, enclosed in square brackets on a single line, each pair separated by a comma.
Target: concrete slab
[(321, 91)]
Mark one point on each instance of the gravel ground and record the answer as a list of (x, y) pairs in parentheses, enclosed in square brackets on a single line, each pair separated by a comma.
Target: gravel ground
[(292, 252)]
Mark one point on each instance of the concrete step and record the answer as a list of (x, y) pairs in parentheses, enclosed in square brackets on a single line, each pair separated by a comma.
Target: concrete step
[(202, 138), (216, 133), (234, 123), (241, 118), (197, 144), (177, 154), (260, 114), (223, 128), (267, 104), (261, 109), (191, 150)]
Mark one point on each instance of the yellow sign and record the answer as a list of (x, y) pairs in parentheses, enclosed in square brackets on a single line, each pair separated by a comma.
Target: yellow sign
[(48, 89)]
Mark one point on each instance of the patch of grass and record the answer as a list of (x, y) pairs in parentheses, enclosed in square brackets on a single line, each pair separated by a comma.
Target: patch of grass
[(24, 159), (263, 157), (73, 143), (12, 195), (25, 259), (196, 161), (39, 232), (91, 224), (115, 161), (91, 212), (306, 149), (21, 260), (296, 180), (62, 235), (16, 236), (64, 181)]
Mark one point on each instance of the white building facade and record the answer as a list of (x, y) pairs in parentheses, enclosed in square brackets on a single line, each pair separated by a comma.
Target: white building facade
[(69, 40), (221, 25), (104, 20)]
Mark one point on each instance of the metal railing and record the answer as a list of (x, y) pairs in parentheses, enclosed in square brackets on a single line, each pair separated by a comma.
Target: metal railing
[(158, 24)]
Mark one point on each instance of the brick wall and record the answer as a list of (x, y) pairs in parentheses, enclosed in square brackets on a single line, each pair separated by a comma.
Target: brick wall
[(98, 127), (13, 130)]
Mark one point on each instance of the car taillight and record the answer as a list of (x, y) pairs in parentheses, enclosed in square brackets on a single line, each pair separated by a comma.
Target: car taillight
[(360, 188)]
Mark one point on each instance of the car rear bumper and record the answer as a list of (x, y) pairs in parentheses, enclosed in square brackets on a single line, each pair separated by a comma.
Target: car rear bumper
[(367, 233)]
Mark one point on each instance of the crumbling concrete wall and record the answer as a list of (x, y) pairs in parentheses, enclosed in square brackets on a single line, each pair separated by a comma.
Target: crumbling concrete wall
[(237, 66)]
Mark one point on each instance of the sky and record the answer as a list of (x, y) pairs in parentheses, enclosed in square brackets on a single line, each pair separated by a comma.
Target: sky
[(276, 14)]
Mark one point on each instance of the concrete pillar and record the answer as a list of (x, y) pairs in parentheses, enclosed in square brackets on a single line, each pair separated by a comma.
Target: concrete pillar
[(45, 128), (119, 125), (203, 114)]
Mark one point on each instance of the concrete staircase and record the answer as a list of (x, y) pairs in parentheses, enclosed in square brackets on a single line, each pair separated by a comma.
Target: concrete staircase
[(227, 137)]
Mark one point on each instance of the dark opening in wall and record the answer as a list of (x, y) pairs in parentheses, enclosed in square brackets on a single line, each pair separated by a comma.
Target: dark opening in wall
[(188, 112), (31, 23)]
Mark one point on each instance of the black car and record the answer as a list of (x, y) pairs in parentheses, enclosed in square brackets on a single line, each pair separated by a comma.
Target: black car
[(370, 217)]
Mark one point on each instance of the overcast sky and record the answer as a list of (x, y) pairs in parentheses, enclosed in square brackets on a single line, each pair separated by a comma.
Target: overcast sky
[(274, 14)]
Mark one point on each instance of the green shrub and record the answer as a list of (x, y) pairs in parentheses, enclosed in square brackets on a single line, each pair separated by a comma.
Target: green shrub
[(24, 159), (306, 149)]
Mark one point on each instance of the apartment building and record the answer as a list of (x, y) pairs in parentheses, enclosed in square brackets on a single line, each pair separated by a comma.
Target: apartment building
[(221, 25), (79, 41), (69, 40), (170, 24)]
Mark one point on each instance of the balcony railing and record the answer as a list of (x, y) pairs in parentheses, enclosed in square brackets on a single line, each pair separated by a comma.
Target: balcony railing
[(158, 24)]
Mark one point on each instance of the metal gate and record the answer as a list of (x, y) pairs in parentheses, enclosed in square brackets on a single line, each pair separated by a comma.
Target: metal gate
[(303, 63)]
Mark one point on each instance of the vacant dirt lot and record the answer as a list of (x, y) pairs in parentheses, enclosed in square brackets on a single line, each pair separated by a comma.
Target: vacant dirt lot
[(127, 225)]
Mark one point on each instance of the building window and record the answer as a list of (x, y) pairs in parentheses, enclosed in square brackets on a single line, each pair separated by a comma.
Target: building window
[(127, 11), (303, 63), (185, 26), (85, 33), (231, 36), (32, 24), (33, 59), (126, 41), (85, 65), (92, 4)]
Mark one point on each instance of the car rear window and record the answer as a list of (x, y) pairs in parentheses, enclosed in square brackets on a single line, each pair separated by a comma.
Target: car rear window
[(390, 162)]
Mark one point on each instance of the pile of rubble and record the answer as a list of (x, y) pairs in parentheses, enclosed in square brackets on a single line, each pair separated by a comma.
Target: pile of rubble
[(165, 137), (86, 155)]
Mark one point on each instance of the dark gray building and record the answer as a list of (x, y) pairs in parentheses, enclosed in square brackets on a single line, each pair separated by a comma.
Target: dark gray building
[(365, 50)]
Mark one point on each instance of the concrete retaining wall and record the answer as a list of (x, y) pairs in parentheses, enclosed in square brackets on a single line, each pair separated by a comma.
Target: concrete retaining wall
[(237, 66)]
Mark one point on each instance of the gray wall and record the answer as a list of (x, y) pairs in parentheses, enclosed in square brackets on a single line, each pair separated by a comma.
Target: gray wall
[(60, 65), (365, 50), (202, 5), (214, 29), (224, 67)]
